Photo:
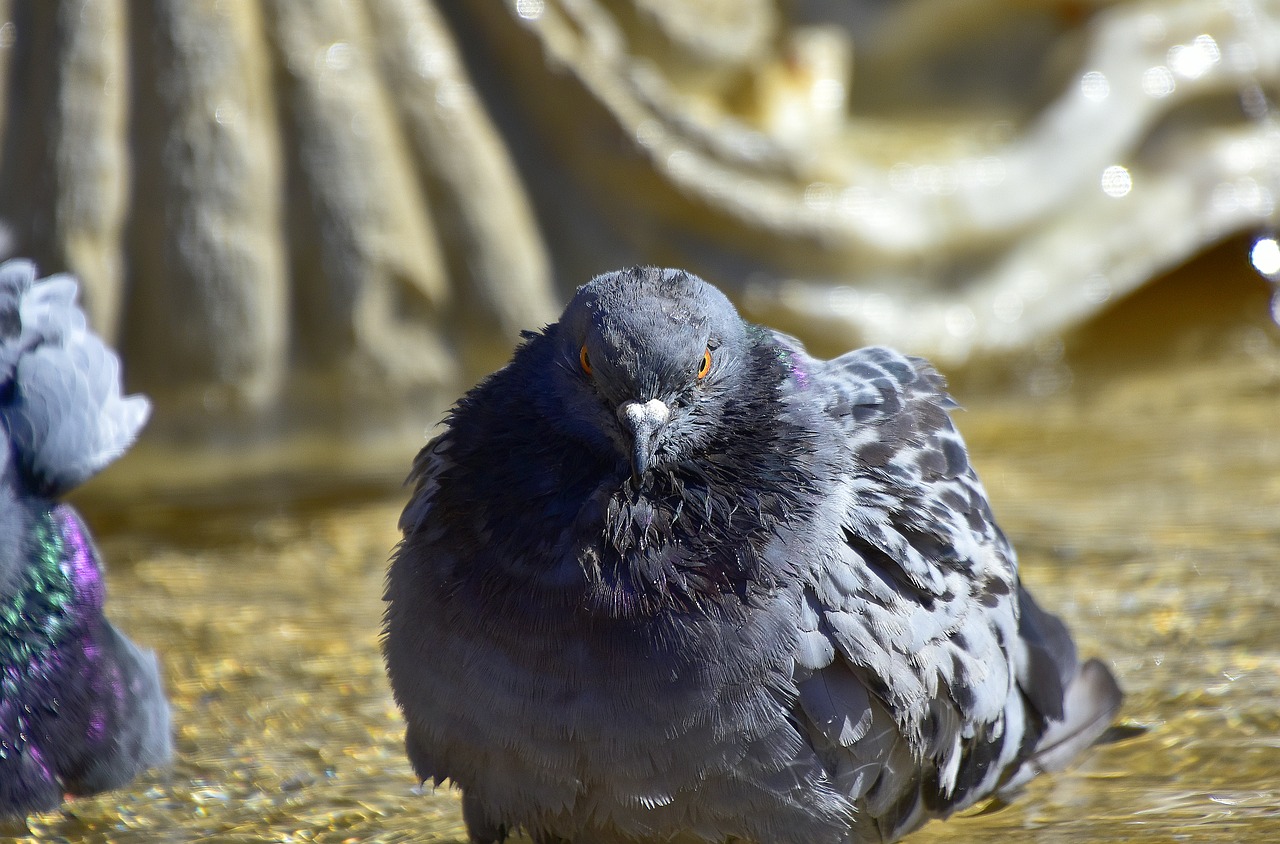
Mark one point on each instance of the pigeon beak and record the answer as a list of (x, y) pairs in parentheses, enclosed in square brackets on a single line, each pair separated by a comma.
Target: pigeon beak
[(643, 420)]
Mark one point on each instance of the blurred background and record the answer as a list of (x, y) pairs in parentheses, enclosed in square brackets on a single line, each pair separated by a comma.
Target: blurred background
[(309, 225)]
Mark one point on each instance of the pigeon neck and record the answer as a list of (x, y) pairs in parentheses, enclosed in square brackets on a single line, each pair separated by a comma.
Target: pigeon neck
[(56, 590), (663, 548)]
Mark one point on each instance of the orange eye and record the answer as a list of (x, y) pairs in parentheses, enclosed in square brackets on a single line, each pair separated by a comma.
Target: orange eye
[(706, 364), (584, 360)]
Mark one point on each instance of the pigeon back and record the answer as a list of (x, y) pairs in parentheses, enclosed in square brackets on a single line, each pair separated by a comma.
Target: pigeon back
[(60, 396)]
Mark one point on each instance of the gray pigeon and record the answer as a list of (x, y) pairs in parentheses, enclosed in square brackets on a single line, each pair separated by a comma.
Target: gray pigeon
[(81, 707), (667, 578)]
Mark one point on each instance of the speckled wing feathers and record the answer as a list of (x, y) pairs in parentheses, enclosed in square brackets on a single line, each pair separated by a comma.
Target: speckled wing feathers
[(918, 597)]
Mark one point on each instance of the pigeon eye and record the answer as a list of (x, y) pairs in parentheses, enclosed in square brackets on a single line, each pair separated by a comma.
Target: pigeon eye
[(706, 364), (584, 360)]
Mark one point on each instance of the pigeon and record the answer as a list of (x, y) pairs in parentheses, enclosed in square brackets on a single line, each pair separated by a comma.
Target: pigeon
[(665, 577), (82, 708)]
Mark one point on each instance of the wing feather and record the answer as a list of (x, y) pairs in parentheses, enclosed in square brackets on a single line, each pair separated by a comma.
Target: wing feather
[(428, 465), (938, 683)]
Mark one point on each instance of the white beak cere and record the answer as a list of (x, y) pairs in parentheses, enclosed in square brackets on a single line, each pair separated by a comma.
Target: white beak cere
[(643, 421)]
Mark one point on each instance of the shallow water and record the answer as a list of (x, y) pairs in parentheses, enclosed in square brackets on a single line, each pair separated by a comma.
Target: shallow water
[(1144, 499)]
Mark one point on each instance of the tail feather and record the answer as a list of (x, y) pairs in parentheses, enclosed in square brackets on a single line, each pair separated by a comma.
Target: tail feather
[(1092, 702), (1051, 656), (1076, 702), (60, 392)]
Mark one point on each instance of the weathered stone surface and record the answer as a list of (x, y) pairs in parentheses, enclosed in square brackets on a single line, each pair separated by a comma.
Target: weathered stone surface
[(210, 290), (295, 218), (468, 180), (324, 218), (66, 164), (953, 178)]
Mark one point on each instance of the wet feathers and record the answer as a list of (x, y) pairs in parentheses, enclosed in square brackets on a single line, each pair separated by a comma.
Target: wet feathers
[(798, 623)]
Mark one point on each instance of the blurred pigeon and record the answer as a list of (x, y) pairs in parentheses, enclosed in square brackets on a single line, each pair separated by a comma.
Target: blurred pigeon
[(81, 707), (665, 577)]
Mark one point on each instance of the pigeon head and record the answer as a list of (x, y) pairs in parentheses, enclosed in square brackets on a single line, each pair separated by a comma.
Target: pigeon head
[(651, 359), (634, 435)]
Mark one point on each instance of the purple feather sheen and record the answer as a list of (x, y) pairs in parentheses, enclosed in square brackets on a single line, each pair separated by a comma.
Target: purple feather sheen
[(80, 563), (787, 354), (52, 629), (41, 764), (81, 708)]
